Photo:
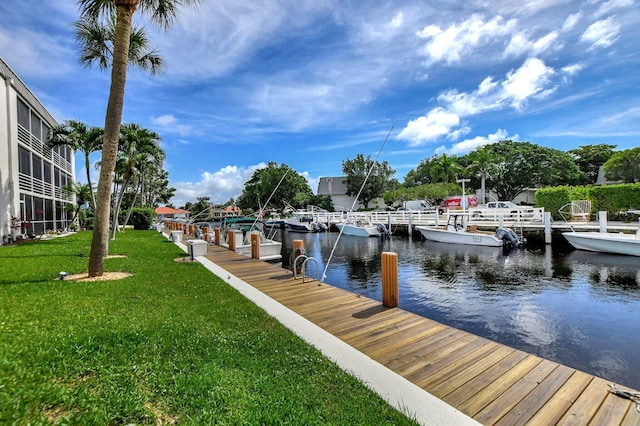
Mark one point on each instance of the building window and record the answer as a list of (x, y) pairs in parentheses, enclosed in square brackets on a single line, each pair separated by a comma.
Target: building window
[(36, 126), (37, 167), (23, 115), (47, 171), (24, 161), (56, 177)]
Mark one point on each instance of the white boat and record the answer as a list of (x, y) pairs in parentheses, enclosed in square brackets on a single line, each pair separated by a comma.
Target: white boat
[(362, 226), (457, 232), (606, 242), (303, 222), (244, 228)]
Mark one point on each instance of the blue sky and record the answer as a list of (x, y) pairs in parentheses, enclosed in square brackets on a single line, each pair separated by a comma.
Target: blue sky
[(312, 83)]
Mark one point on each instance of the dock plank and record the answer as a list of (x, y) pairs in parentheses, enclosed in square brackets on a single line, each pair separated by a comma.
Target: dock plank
[(490, 382)]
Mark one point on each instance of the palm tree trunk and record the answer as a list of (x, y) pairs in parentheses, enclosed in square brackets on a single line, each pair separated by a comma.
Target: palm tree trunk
[(116, 209), (133, 203), (87, 166), (113, 118)]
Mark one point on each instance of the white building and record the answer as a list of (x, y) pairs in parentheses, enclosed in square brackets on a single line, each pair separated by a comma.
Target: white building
[(336, 188), (32, 175)]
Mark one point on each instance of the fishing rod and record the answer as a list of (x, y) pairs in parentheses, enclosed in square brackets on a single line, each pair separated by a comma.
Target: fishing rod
[(355, 201)]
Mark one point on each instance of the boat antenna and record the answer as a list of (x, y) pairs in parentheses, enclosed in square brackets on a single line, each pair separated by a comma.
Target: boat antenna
[(353, 205)]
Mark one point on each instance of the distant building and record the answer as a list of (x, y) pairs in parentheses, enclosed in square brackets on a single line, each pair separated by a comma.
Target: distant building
[(336, 188), (32, 175), (163, 213)]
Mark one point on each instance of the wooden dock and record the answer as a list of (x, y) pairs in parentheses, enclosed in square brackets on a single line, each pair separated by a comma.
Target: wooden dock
[(488, 381)]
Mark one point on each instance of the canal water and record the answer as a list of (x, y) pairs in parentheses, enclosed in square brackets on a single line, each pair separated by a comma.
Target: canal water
[(577, 308)]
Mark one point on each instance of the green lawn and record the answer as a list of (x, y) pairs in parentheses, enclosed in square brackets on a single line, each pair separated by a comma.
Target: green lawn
[(172, 344)]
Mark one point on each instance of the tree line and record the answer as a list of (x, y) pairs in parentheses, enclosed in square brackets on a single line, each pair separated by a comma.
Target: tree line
[(507, 168)]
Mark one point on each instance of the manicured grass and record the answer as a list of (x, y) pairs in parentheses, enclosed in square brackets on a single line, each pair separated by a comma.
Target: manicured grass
[(172, 344)]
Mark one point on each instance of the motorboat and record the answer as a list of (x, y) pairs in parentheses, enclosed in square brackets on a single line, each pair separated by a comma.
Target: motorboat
[(606, 242), (303, 222), (244, 228), (457, 231), (362, 226)]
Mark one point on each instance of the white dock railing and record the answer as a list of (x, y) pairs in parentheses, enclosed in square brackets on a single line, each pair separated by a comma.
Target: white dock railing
[(407, 217)]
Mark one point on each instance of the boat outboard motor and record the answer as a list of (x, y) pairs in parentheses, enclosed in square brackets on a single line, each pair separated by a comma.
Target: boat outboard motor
[(318, 227), (383, 230), (509, 237)]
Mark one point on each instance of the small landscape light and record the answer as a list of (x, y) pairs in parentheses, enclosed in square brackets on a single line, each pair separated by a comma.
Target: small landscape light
[(62, 274)]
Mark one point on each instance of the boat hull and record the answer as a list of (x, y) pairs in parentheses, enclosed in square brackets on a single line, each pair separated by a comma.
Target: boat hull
[(459, 237), (299, 227), (269, 250), (358, 231), (605, 242)]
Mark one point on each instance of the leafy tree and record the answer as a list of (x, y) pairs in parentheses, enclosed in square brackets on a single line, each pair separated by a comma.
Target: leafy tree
[(273, 186), (421, 175), (155, 188), (434, 193), (117, 57), (201, 208), (79, 137), (322, 201), (623, 166), (589, 158), (526, 165), (445, 168), (380, 178)]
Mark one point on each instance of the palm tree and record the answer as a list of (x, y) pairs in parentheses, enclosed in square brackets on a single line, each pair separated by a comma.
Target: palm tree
[(161, 12), (137, 145), (82, 193), (485, 162), (445, 167), (79, 137)]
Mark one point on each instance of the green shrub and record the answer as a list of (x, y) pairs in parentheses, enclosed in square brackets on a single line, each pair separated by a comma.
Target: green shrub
[(141, 218), (610, 198)]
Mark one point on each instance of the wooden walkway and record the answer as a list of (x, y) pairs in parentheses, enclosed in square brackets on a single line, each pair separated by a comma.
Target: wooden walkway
[(490, 382)]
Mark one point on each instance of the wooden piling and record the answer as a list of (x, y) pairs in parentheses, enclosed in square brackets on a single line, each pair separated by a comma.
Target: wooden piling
[(297, 244), (231, 240), (255, 246), (205, 231), (216, 236), (390, 279)]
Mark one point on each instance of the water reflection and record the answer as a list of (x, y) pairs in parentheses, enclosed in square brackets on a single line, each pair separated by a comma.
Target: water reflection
[(577, 308)]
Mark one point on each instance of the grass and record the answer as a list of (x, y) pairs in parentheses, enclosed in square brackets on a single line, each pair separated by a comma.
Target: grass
[(172, 344)]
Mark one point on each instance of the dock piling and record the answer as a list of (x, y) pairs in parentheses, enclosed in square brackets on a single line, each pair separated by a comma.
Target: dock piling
[(390, 279)]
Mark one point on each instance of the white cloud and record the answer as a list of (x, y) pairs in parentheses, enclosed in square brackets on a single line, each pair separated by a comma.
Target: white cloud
[(611, 5), (222, 36), (430, 127), (453, 44), (529, 80), (36, 54), (468, 145), (219, 186), (571, 21), (397, 20), (520, 45), (169, 123), (601, 33)]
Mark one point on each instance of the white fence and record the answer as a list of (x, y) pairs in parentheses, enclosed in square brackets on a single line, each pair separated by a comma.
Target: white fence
[(406, 217)]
